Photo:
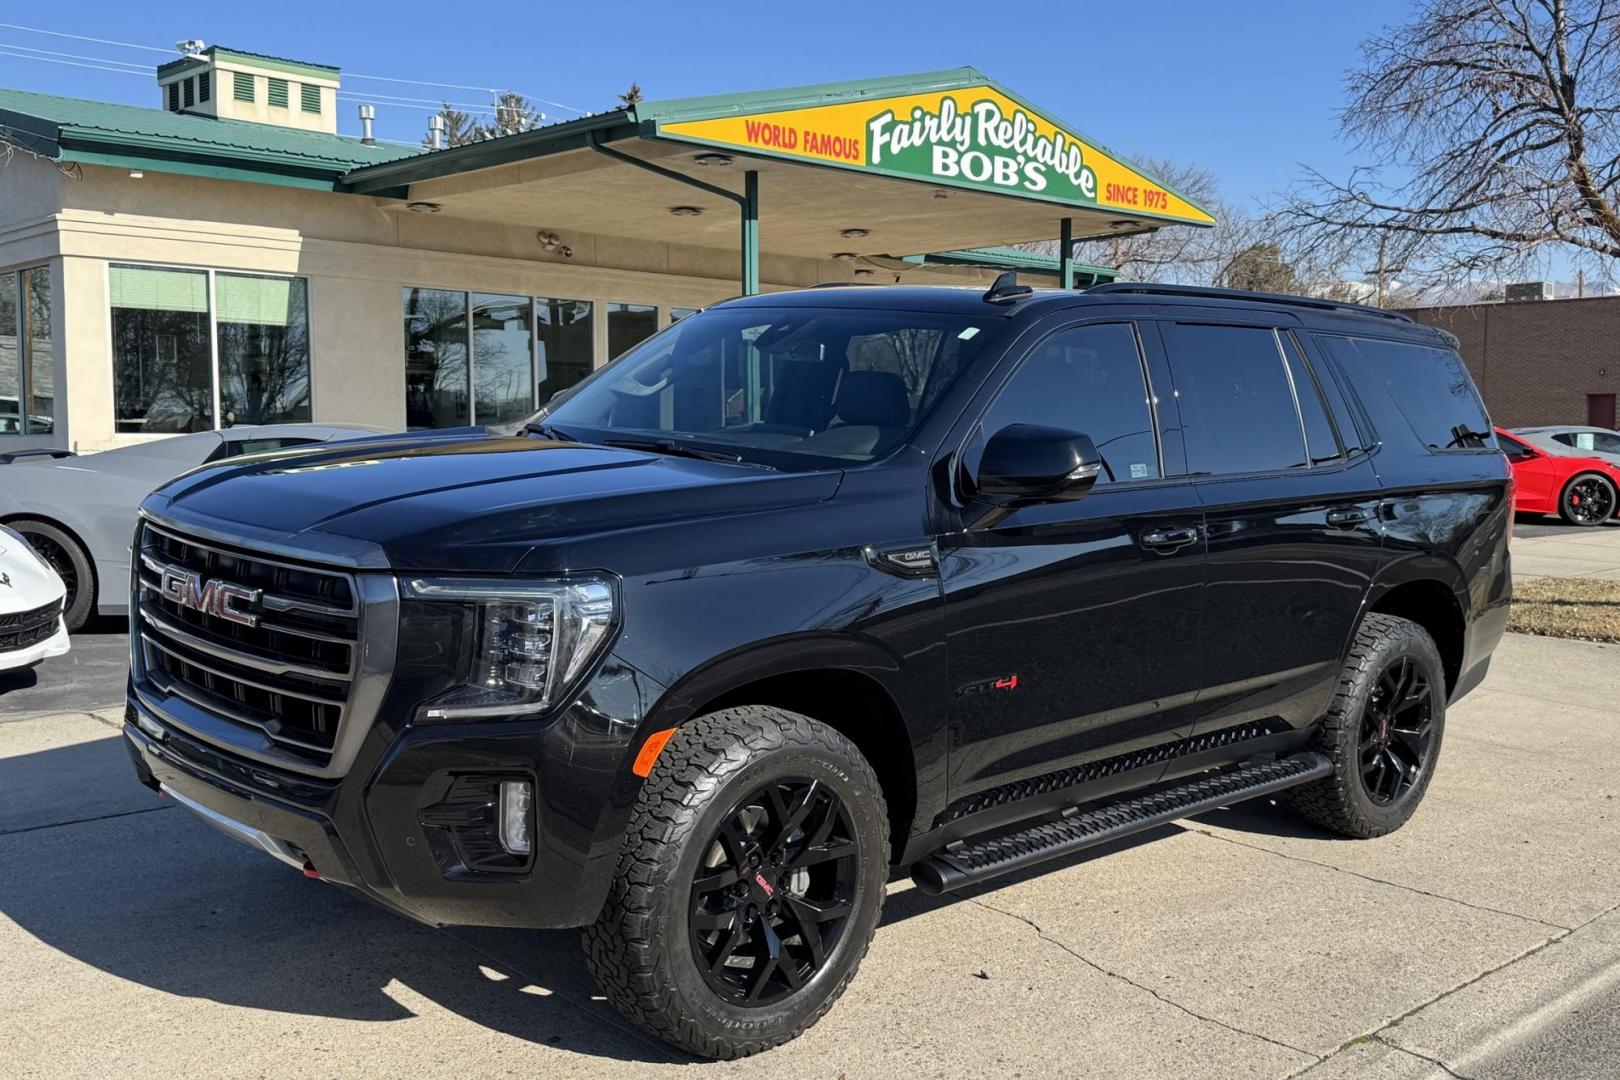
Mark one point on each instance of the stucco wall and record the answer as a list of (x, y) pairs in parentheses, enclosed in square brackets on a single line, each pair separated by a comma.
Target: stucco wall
[(356, 252)]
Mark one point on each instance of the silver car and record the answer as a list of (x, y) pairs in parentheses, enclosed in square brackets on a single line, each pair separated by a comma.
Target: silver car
[(1573, 440), (79, 512)]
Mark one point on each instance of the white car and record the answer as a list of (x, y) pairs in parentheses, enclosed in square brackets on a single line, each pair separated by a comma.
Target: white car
[(31, 595), (1573, 440), (79, 512)]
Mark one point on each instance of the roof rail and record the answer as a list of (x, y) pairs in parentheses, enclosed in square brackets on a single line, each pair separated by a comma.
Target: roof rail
[(1150, 289), (842, 284)]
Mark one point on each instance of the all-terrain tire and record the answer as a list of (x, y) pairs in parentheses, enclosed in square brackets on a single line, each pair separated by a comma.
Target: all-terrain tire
[(1341, 801), (64, 553), (640, 950)]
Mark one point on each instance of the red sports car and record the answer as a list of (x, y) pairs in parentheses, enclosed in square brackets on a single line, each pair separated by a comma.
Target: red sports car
[(1580, 489)]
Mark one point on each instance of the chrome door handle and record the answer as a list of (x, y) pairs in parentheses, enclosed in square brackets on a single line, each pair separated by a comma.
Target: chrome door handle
[(1346, 517), (1165, 541)]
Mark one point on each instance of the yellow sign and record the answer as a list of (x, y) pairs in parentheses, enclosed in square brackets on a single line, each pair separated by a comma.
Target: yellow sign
[(974, 137)]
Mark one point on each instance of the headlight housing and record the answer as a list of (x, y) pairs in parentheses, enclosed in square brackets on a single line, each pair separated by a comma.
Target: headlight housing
[(519, 645)]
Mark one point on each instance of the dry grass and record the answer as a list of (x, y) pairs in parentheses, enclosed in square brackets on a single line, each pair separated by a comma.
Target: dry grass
[(1585, 608)]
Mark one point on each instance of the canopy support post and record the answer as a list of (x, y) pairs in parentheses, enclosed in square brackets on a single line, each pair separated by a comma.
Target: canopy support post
[(747, 203), (1066, 254)]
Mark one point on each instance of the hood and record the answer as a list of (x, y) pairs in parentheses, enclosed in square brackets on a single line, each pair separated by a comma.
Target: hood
[(25, 581), (472, 503)]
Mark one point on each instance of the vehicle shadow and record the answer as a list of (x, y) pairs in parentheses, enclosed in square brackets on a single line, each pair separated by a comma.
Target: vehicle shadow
[(145, 892)]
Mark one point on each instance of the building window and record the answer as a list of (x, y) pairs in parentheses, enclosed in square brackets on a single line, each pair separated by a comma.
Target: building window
[(242, 86), (436, 369), (202, 86), (489, 358), (263, 347), (565, 345), (278, 93), (503, 370), (170, 372), (27, 353), (676, 314), (629, 325), (174, 97), (310, 98)]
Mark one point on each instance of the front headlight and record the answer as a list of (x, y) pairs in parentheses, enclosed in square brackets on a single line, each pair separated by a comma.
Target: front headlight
[(521, 644)]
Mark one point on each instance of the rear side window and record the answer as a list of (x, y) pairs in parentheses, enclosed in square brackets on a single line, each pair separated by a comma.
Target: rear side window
[(1320, 440), (1237, 402), (1087, 379), (1430, 386), (1590, 440)]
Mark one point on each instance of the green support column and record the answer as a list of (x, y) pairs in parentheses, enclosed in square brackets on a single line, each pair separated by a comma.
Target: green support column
[(1066, 254), (750, 233)]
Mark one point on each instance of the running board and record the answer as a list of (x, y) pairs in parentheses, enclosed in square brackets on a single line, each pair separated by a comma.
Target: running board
[(972, 861)]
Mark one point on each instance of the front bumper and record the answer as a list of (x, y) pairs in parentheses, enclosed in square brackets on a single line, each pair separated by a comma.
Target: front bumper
[(55, 645), (388, 830)]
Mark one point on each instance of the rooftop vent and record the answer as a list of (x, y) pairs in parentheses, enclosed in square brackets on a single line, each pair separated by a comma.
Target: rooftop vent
[(212, 80)]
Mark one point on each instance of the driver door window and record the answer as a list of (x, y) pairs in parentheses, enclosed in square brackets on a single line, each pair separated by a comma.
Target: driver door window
[(1088, 379)]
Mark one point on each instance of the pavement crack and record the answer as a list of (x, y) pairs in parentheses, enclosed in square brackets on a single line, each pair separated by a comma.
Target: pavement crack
[(1436, 1062), (83, 820), (1378, 880), (1128, 981)]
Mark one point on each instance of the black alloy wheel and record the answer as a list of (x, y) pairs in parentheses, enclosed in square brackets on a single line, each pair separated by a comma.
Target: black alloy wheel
[(57, 558), (65, 555), (1396, 728), (1589, 500), (774, 891)]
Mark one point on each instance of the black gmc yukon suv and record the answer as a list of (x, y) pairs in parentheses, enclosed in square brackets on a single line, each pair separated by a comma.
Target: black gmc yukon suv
[(815, 585)]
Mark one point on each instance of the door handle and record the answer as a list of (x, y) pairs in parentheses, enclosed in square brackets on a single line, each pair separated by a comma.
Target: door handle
[(1347, 517), (1164, 541)]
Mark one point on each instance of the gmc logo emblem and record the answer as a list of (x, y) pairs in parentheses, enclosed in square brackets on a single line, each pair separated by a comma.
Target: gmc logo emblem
[(221, 599)]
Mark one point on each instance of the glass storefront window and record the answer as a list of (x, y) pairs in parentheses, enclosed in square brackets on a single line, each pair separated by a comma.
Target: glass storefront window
[(628, 325), (162, 363), (436, 383), (503, 375), (11, 422), (565, 345), (36, 287), (263, 338)]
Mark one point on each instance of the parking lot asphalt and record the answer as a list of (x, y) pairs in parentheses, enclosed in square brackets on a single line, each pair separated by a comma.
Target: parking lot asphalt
[(90, 675), (1483, 940)]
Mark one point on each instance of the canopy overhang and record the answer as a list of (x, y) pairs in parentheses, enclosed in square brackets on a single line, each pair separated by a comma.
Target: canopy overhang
[(886, 168)]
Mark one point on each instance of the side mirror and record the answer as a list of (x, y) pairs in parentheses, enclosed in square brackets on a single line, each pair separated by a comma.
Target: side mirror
[(1027, 463)]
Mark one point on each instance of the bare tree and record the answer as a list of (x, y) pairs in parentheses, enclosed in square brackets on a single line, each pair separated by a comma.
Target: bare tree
[(631, 96), (1260, 267), (1498, 121)]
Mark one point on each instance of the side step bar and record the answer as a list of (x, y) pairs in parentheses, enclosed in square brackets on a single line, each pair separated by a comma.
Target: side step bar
[(972, 861)]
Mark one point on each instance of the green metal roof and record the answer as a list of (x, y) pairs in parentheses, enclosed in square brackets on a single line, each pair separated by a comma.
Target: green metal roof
[(264, 60), (129, 136)]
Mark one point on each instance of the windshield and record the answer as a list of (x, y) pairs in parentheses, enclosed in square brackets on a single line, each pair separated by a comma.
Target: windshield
[(785, 386)]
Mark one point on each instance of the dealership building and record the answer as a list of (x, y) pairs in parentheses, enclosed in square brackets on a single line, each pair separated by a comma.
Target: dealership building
[(225, 256)]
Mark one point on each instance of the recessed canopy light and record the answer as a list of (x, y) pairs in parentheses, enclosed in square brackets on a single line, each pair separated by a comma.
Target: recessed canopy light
[(423, 207), (713, 159), (862, 271), (846, 256), (1122, 224), (686, 211), (941, 193), (855, 234)]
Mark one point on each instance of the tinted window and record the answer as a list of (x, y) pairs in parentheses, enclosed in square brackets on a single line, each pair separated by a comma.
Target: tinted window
[(1430, 386), (1319, 438), (1088, 379), (1590, 440), (1513, 448), (1237, 407)]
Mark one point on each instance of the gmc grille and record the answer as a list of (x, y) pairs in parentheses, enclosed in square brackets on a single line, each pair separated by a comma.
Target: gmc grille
[(289, 675)]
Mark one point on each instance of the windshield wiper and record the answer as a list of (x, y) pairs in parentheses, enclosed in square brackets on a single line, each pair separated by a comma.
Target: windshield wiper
[(675, 449), (546, 431)]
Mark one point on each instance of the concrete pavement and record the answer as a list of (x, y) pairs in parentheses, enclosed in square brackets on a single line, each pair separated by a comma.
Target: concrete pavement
[(1485, 936), (1543, 550)]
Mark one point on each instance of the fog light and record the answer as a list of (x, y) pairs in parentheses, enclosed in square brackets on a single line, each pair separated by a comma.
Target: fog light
[(516, 795)]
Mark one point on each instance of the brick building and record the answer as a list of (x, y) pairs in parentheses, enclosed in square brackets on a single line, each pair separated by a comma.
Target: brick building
[(1540, 362)]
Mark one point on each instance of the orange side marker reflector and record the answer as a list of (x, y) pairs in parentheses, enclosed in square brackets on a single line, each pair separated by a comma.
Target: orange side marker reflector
[(650, 751)]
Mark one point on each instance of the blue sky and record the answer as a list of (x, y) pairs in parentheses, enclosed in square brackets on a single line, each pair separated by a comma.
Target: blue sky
[(1247, 88)]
